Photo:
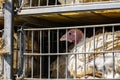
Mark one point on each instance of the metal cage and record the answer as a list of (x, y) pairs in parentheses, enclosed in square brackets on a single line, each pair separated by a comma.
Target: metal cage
[(47, 3), (44, 56), (25, 7)]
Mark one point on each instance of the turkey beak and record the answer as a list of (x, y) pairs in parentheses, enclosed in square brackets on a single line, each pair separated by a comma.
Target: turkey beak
[(63, 38)]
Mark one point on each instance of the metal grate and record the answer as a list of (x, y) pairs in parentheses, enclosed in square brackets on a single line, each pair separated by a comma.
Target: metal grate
[(47, 3), (45, 55)]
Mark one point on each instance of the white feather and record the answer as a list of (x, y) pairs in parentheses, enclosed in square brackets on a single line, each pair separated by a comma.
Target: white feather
[(96, 44)]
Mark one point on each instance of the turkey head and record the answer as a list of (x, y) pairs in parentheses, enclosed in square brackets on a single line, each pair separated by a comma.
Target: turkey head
[(73, 35)]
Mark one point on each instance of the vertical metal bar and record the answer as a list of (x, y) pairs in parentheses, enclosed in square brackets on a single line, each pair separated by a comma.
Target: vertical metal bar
[(24, 57), (40, 53), (103, 74), (21, 37), (57, 53), (47, 2), (20, 4), (74, 1), (48, 53), (113, 52), (8, 39), (85, 53), (31, 3), (94, 51), (75, 55), (56, 1), (65, 2), (32, 62), (39, 2), (67, 55), (17, 51), (27, 59), (21, 53)]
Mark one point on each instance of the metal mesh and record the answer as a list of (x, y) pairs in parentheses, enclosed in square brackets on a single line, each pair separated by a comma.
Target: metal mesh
[(44, 56), (47, 3)]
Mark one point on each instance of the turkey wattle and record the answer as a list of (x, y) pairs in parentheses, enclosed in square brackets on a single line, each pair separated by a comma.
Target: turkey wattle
[(99, 64)]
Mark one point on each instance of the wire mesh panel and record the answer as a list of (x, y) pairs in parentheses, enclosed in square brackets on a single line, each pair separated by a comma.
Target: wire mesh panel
[(79, 52), (40, 3)]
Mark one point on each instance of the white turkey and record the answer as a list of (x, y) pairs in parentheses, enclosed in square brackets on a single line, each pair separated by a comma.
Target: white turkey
[(98, 65)]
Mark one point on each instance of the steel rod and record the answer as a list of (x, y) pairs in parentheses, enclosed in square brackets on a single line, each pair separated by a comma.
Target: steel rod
[(94, 51), (75, 55), (66, 46), (49, 53), (73, 27), (85, 53), (45, 54), (8, 39), (58, 55), (103, 74), (113, 52), (40, 53)]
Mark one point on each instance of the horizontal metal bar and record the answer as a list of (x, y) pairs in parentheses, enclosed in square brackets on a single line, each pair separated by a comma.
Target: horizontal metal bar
[(68, 4), (86, 7), (67, 79), (46, 54), (90, 26)]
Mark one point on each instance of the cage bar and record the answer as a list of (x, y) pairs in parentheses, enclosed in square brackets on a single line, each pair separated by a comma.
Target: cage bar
[(32, 59), (85, 54), (66, 48), (94, 53), (54, 34), (8, 39), (49, 53), (103, 50), (58, 53), (72, 8), (113, 52), (40, 32)]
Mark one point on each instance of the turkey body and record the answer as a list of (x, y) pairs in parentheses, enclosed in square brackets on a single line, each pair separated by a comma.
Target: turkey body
[(94, 61), (61, 68)]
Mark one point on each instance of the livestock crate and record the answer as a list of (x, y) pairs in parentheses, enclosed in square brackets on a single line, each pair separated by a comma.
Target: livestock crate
[(47, 3), (84, 52)]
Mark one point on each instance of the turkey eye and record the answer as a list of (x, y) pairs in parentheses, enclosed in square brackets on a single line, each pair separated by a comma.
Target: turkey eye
[(69, 33)]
